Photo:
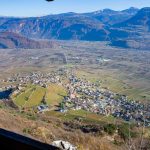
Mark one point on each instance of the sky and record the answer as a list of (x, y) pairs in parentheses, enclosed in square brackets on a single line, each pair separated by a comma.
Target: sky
[(26, 8)]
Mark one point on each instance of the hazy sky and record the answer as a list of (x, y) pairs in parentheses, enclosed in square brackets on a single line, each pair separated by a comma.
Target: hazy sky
[(41, 7)]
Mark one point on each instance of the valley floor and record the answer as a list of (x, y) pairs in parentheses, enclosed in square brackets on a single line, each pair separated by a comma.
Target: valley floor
[(122, 71)]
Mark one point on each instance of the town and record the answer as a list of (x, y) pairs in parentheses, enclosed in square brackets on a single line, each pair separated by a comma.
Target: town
[(85, 95)]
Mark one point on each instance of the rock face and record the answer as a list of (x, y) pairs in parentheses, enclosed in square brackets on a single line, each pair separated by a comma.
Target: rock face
[(129, 28), (64, 145), (13, 40)]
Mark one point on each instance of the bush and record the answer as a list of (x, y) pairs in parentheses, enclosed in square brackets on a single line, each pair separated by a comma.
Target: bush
[(27, 131), (125, 132), (110, 128), (31, 116)]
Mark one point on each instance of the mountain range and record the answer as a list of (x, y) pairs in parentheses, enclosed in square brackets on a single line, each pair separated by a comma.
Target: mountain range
[(129, 28)]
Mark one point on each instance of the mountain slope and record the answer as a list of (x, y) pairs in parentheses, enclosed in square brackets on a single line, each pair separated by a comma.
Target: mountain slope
[(129, 28), (133, 33), (56, 27), (13, 40), (67, 26), (110, 17), (142, 18)]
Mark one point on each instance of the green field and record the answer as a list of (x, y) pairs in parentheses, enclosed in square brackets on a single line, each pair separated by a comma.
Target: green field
[(36, 97), (87, 117), (33, 95), (23, 97)]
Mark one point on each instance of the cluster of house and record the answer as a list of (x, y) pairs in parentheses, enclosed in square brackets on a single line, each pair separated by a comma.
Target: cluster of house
[(42, 108), (36, 78), (83, 94), (88, 96)]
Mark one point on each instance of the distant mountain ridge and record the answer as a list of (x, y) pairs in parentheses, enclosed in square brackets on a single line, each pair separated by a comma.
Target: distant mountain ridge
[(117, 27), (111, 17), (134, 32), (66, 26), (14, 40)]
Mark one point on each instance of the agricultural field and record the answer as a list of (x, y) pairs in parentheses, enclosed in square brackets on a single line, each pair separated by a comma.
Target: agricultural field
[(21, 98), (34, 95), (55, 94)]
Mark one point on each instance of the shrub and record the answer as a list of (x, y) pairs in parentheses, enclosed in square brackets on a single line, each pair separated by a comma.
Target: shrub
[(126, 132), (31, 116), (27, 131), (110, 128)]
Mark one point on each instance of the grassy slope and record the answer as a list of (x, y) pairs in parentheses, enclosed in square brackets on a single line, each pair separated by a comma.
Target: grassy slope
[(88, 117), (51, 130)]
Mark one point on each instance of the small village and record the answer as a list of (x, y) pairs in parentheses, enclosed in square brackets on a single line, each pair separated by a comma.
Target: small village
[(85, 95)]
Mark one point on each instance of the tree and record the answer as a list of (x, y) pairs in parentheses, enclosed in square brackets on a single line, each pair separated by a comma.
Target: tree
[(62, 106)]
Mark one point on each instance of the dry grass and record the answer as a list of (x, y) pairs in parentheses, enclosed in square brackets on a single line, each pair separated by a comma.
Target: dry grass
[(47, 132), (49, 128)]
